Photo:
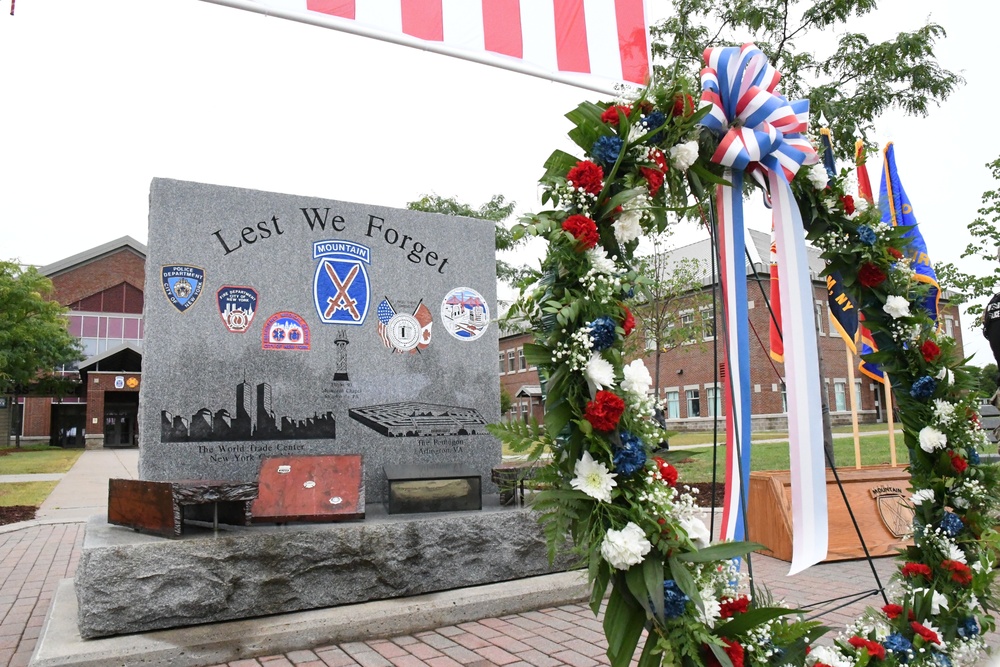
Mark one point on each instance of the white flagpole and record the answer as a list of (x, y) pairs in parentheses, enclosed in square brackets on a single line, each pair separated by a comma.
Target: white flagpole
[(402, 39)]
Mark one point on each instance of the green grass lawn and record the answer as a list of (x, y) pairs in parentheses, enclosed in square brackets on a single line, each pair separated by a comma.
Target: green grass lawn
[(25, 493), (774, 456), (37, 459)]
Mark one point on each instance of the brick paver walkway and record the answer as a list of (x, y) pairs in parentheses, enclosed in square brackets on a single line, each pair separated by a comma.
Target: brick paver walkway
[(33, 560)]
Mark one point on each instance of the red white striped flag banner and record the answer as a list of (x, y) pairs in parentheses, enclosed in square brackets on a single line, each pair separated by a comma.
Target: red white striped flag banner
[(588, 43)]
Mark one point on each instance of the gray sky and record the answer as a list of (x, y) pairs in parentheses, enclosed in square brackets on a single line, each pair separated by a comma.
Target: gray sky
[(100, 97)]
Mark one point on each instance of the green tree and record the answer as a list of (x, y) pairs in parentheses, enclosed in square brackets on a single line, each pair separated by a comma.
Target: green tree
[(984, 247), (34, 339), (988, 379), (852, 83), (670, 307), (505, 400), (497, 209)]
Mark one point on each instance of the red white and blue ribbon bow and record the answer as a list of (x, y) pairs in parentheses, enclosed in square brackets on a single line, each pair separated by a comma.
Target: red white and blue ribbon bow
[(762, 134)]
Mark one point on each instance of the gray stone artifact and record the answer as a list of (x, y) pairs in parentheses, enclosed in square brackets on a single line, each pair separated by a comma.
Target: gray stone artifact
[(284, 325)]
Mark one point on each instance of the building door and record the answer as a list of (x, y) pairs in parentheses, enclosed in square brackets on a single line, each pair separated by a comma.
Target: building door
[(68, 423), (121, 411)]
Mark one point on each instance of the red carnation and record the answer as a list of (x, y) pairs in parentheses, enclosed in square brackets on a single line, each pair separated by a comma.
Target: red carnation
[(583, 229), (930, 350), (588, 176), (683, 105), (848, 202), (895, 253), (960, 572), (654, 178), (734, 606), (604, 411), (957, 462), (870, 275), (628, 324), (874, 649), (733, 649), (892, 611), (610, 115), (927, 634), (667, 471), (916, 570)]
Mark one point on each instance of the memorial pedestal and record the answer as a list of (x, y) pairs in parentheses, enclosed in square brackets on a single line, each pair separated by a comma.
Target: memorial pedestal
[(878, 497)]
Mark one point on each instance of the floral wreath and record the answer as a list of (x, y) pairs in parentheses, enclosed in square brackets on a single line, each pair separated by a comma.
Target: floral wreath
[(634, 528)]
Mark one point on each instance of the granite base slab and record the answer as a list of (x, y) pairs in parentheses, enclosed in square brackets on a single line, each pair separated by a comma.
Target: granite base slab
[(128, 582)]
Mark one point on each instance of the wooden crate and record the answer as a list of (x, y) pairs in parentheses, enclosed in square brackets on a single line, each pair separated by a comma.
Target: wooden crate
[(878, 496)]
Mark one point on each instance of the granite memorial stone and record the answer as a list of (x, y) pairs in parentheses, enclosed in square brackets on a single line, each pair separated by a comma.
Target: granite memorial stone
[(283, 325)]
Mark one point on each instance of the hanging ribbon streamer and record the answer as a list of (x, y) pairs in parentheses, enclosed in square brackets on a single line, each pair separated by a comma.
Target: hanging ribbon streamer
[(762, 135)]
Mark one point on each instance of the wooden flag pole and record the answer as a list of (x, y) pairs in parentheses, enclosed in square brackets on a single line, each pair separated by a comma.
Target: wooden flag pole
[(854, 406), (892, 423)]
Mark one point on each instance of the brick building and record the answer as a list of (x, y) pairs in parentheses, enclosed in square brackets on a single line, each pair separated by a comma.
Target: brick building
[(689, 378), (103, 289)]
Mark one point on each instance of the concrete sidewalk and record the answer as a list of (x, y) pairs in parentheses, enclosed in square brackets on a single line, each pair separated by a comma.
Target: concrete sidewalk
[(36, 556)]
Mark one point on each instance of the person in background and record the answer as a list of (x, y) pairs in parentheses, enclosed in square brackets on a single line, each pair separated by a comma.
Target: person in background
[(991, 328)]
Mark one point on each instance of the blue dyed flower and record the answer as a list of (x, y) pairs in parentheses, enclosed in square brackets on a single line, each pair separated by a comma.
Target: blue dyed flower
[(867, 234), (630, 457), (602, 333), (968, 628), (923, 388), (941, 660), (973, 456), (653, 121), (674, 600), (951, 524), (606, 149), (899, 645)]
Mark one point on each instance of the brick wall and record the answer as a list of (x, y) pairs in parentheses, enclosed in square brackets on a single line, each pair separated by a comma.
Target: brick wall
[(101, 274)]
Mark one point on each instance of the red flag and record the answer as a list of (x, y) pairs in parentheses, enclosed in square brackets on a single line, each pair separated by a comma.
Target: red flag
[(864, 183), (607, 39), (777, 345)]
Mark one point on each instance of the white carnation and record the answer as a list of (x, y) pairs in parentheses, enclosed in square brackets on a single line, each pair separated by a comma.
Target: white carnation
[(713, 609), (682, 156), (626, 547), (945, 375), (828, 656), (696, 530), (954, 552), (627, 227), (932, 439), (938, 601), (943, 410), (818, 176), (897, 306), (922, 496), (600, 373), (600, 261), (593, 478), (637, 379)]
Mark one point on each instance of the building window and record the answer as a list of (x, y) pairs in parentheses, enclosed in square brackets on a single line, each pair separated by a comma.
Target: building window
[(840, 395), (649, 332), (693, 398), (522, 364), (100, 333), (503, 366), (524, 411), (784, 396), (687, 322), (949, 326), (673, 405), (707, 324), (819, 308), (857, 395), (511, 367), (714, 399), (833, 321)]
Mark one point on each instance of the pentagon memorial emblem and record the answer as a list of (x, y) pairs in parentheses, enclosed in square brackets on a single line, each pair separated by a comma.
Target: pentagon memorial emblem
[(896, 514), (465, 313), (341, 288), (403, 332), (285, 331), (182, 284), (237, 306)]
